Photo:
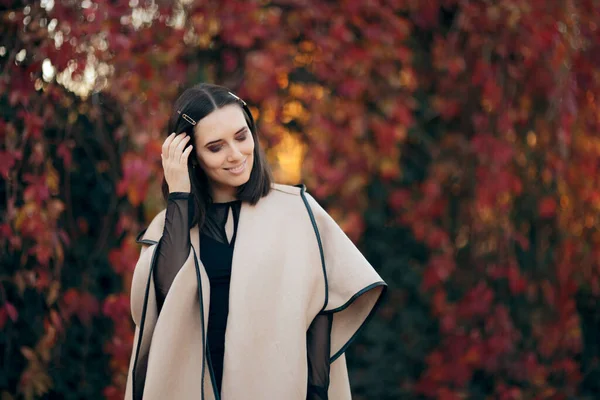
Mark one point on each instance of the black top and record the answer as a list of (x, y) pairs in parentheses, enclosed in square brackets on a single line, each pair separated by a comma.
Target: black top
[(217, 240), (216, 251)]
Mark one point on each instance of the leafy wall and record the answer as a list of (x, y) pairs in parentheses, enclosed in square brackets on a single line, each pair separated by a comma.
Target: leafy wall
[(455, 141)]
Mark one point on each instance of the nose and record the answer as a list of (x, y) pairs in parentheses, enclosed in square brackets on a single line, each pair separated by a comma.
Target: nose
[(234, 154)]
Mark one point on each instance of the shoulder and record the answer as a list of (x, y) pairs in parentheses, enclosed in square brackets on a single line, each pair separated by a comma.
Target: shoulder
[(283, 199), (287, 189), (296, 194), (292, 198), (153, 232), (282, 194)]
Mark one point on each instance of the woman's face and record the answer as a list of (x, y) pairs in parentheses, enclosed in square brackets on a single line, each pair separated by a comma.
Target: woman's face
[(225, 149)]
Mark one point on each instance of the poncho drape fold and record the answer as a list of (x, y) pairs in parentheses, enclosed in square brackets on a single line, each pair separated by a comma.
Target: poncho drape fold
[(278, 286)]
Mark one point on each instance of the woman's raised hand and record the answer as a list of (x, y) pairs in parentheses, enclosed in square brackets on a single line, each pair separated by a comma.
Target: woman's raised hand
[(175, 162)]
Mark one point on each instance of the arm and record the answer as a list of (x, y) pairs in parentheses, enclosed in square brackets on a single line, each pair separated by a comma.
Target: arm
[(318, 349), (174, 245)]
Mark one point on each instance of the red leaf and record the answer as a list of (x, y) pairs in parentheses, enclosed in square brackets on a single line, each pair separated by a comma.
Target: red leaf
[(437, 238), (136, 174), (438, 270), (64, 152), (7, 161), (3, 317), (88, 307), (547, 207), (70, 302), (124, 258), (11, 311), (477, 302), (56, 320), (116, 307), (399, 198)]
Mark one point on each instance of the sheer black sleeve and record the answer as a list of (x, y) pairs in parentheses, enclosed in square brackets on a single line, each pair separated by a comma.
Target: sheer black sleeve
[(174, 245), (318, 349)]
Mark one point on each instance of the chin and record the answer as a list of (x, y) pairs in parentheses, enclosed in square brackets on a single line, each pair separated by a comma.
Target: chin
[(238, 180)]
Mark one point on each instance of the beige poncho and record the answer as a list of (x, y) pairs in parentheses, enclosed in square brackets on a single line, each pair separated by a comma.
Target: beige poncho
[(278, 286)]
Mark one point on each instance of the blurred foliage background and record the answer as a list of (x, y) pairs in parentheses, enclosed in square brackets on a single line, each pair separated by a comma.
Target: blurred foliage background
[(456, 141)]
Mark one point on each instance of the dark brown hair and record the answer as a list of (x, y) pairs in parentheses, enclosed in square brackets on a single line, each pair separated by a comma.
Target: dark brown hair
[(196, 103)]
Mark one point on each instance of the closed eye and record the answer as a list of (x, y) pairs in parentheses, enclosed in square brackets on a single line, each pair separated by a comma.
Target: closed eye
[(241, 136)]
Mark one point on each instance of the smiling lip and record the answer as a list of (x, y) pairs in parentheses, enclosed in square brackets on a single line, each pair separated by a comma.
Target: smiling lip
[(239, 169)]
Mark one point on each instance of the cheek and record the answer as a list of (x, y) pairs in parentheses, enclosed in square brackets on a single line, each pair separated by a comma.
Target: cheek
[(248, 146), (211, 160)]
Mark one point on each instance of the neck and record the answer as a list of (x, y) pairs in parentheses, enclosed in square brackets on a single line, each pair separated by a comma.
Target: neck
[(222, 194)]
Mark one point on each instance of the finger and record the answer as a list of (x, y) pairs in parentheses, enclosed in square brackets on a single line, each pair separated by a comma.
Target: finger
[(181, 146), (177, 148), (186, 153), (174, 143), (167, 143)]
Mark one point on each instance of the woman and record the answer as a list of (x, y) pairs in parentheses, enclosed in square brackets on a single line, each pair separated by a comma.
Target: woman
[(244, 289)]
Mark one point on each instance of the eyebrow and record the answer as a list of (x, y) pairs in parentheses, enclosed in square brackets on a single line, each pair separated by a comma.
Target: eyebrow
[(242, 129)]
